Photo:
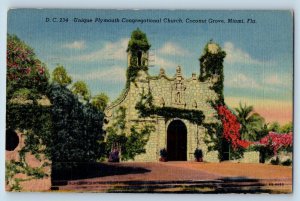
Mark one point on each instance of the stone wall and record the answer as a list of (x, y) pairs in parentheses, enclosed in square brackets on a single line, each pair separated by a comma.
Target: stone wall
[(250, 157), (176, 92), (30, 173)]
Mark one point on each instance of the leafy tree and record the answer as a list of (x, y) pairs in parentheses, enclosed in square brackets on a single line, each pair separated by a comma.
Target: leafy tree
[(27, 82), (262, 132), (77, 129), (287, 128), (24, 69), (61, 76), (80, 89), (100, 101), (138, 41), (275, 127), (67, 131), (251, 123)]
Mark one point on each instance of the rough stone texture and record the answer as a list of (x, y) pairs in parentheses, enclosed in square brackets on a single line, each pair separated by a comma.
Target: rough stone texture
[(282, 156), (176, 92), (29, 183), (250, 157), (211, 156)]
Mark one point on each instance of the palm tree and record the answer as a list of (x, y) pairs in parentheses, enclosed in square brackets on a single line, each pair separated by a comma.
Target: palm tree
[(251, 122)]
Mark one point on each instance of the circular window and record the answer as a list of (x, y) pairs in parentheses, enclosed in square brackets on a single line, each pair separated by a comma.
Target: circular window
[(12, 140)]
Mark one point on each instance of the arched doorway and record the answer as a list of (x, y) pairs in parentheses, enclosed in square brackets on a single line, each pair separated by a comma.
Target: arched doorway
[(177, 141)]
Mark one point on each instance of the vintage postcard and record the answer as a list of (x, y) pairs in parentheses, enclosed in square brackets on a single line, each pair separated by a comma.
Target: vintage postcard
[(149, 101)]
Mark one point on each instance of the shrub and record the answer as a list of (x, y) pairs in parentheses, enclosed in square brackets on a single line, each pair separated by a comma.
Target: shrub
[(198, 153), (277, 141), (77, 129), (288, 162), (163, 153), (275, 161)]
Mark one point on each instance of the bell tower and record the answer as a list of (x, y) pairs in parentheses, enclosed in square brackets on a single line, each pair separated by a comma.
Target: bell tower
[(138, 50), (211, 68)]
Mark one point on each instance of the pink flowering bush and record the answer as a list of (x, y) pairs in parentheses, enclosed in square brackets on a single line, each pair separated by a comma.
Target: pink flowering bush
[(268, 146), (277, 141), (24, 70)]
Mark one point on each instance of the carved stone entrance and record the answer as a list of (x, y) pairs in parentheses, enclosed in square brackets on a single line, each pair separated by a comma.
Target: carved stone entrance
[(177, 141)]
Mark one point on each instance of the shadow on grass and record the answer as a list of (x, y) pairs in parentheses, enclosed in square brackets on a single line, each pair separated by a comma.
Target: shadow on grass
[(92, 170)]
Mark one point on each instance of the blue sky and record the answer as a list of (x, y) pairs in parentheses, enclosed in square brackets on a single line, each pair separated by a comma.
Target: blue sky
[(258, 66)]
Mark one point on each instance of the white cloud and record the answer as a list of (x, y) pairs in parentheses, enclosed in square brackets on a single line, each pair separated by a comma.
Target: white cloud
[(273, 79), (164, 63), (110, 51), (171, 48), (241, 81), (279, 80), (75, 45), (114, 74), (237, 55)]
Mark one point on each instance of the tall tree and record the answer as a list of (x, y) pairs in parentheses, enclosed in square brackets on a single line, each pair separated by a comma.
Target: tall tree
[(100, 101), (61, 76), (77, 129), (287, 128), (24, 69), (251, 122), (274, 126), (80, 89)]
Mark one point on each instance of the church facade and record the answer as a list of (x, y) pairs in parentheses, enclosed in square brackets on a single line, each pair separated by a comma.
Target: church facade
[(179, 134)]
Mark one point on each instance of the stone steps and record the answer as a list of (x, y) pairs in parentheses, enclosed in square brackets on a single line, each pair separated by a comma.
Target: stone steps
[(202, 186)]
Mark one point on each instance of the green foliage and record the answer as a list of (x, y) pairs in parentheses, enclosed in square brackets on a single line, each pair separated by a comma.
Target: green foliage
[(61, 76), (146, 108), (288, 162), (66, 131), (214, 138), (211, 67), (265, 152), (16, 185), (275, 161), (138, 41), (275, 127), (136, 141), (24, 70), (77, 129), (12, 168), (286, 128), (100, 101), (37, 173), (130, 144), (81, 90), (216, 142), (163, 153), (34, 121), (198, 153), (252, 124), (27, 82), (137, 44), (132, 72)]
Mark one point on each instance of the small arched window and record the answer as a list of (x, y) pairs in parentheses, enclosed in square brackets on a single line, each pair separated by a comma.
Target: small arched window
[(12, 140), (139, 55)]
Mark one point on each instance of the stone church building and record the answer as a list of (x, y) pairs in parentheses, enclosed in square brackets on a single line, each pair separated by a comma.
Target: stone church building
[(179, 136)]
